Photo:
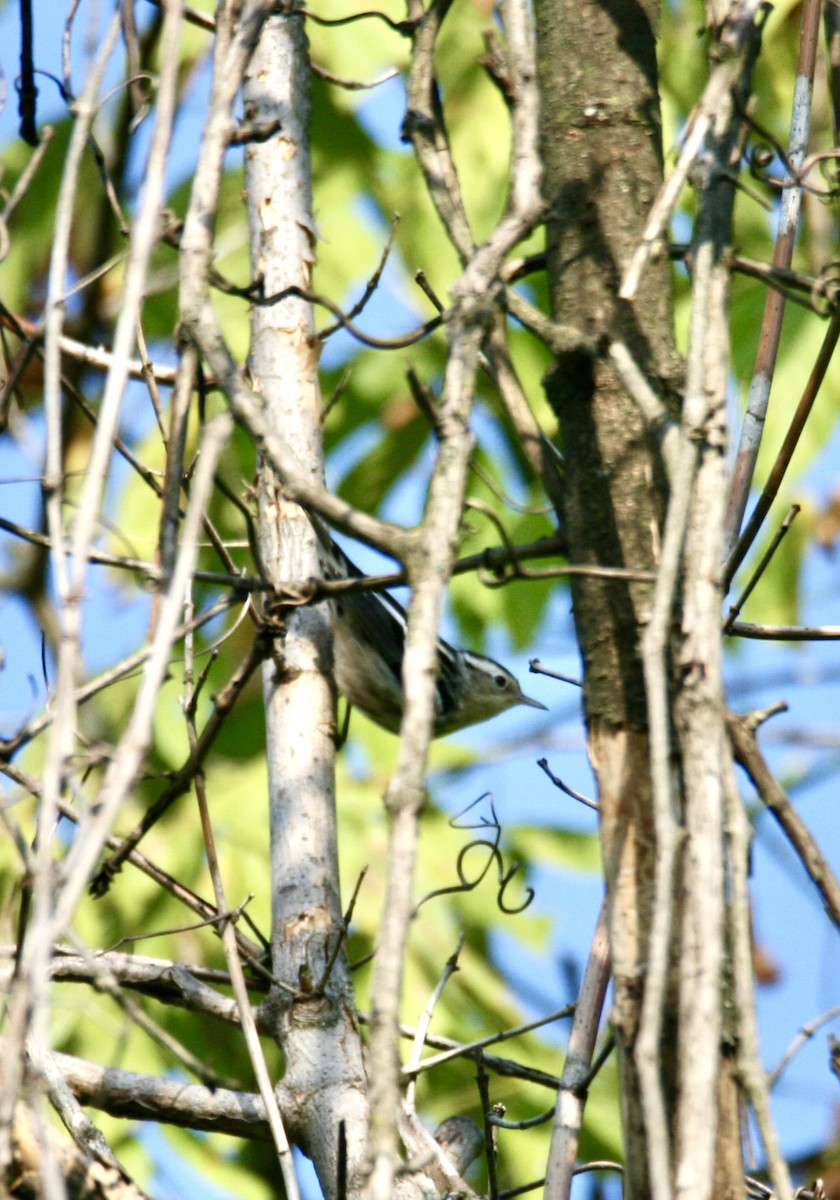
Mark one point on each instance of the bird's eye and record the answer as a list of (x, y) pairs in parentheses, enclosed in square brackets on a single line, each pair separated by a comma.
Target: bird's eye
[(500, 681)]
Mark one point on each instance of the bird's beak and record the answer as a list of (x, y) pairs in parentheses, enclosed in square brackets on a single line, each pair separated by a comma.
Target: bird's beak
[(533, 703)]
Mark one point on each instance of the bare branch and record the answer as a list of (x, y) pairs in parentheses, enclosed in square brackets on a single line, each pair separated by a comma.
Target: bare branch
[(780, 466), (773, 795), (699, 124), (140, 1097), (771, 327), (571, 1096)]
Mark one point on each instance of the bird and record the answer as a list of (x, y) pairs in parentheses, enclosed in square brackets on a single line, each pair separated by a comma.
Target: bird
[(369, 633)]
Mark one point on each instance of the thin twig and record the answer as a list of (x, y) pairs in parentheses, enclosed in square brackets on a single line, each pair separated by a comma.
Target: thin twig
[(771, 326), (537, 668), (490, 1135), (234, 965), (340, 940), (223, 702), (28, 1008), (426, 1020), (371, 285), (122, 769), (470, 1048), (783, 458), (803, 1036), (752, 1076), (9, 746), (256, 295), (773, 795), (697, 128), (761, 567), (542, 763), (95, 357), (786, 633), (571, 1096), (354, 85)]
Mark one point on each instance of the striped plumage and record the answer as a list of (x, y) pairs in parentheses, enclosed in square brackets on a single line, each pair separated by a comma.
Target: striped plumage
[(369, 631)]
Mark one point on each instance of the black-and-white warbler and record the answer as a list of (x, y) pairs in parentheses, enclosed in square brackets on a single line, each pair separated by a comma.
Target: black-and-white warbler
[(369, 630)]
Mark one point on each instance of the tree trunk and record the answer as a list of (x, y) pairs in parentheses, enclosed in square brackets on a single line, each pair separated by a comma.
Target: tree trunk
[(603, 169), (323, 1086)]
